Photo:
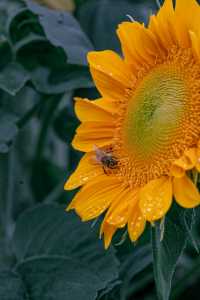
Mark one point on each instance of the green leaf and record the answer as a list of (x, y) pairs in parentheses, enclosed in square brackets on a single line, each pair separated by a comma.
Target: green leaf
[(59, 278), (135, 268), (47, 62), (6, 10), (167, 252), (48, 67), (5, 51), (12, 78), (23, 23), (8, 130), (35, 50), (49, 230), (11, 286), (70, 78), (62, 30)]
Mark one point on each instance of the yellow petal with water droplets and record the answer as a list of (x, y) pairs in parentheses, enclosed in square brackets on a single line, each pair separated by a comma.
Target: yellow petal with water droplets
[(185, 192), (95, 197), (136, 223), (87, 170), (110, 74), (156, 198), (119, 211)]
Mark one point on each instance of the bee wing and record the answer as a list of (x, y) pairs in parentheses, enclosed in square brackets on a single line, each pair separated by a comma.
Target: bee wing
[(94, 160), (99, 153)]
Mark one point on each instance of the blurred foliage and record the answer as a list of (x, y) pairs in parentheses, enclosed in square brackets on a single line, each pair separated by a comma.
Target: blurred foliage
[(46, 253)]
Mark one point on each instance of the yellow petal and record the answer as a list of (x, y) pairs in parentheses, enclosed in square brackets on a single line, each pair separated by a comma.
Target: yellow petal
[(119, 211), (110, 106), (162, 25), (198, 160), (188, 160), (195, 41), (191, 155), (177, 171), (138, 44), (87, 110), (87, 170), (110, 74), (95, 197), (156, 198), (95, 129), (187, 15), (136, 223), (89, 134), (185, 192), (108, 231)]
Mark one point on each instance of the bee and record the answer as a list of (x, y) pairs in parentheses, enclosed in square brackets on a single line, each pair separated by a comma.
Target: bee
[(106, 159)]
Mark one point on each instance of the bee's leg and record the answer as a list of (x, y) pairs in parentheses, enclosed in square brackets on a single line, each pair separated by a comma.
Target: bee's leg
[(105, 171)]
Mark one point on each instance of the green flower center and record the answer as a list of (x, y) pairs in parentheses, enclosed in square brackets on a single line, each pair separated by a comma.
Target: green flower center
[(155, 112)]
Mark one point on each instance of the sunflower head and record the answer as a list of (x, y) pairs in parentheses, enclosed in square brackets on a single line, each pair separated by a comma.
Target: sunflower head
[(141, 138)]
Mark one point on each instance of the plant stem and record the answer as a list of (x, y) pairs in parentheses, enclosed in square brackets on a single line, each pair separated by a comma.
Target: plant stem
[(28, 116), (52, 105), (155, 241)]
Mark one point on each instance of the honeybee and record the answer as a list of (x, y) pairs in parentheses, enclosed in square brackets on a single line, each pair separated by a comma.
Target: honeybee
[(106, 159)]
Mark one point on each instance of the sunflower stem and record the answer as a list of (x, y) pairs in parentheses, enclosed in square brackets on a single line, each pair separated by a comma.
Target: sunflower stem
[(162, 229)]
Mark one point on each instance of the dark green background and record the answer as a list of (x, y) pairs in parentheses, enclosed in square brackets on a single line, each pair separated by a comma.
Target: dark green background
[(45, 253)]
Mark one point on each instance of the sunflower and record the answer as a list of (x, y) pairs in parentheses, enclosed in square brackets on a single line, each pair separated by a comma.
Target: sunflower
[(147, 122)]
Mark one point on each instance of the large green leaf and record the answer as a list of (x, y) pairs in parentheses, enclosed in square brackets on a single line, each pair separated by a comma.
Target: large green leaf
[(47, 63), (59, 278), (11, 286), (6, 10), (12, 78), (62, 30), (5, 51), (166, 252), (132, 266), (70, 78), (48, 230)]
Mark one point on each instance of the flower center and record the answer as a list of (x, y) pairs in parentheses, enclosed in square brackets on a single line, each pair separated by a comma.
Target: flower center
[(159, 119), (155, 112)]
